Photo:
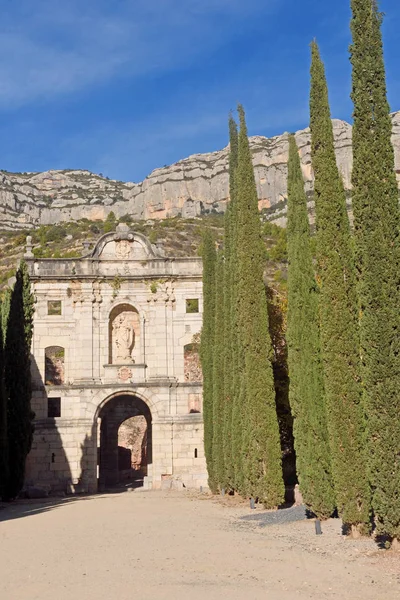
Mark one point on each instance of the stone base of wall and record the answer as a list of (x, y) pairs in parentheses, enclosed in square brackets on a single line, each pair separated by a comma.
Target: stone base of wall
[(65, 451)]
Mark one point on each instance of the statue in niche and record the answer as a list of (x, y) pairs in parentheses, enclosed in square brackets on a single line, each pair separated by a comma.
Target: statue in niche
[(123, 249), (123, 338)]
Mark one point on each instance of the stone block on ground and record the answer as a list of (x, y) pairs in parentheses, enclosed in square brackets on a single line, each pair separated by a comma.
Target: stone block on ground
[(36, 492)]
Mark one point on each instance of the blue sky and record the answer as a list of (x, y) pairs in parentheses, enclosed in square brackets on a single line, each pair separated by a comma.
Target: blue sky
[(124, 86)]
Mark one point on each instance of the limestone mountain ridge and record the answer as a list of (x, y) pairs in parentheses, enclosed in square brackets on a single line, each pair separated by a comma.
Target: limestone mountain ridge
[(195, 185)]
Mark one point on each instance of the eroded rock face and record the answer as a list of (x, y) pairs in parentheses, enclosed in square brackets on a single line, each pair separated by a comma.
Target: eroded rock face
[(189, 187)]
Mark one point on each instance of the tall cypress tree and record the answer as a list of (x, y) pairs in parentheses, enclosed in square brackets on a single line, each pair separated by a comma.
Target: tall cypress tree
[(339, 311), (206, 350), (3, 421), (229, 326), (261, 443), (218, 374), (376, 225), (306, 390), (239, 414), (18, 380), (5, 309)]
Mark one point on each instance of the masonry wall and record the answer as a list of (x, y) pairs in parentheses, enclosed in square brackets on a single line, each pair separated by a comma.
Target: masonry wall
[(65, 448)]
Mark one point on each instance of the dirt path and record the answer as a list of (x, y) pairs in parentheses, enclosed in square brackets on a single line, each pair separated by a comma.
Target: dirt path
[(172, 545)]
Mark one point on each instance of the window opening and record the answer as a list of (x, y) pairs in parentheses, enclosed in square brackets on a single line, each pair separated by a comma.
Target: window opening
[(53, 408), (192, 305), (54, 365), (54, 307)]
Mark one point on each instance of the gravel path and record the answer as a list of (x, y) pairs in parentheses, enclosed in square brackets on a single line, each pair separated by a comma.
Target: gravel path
[(285, 515), (178, 545)]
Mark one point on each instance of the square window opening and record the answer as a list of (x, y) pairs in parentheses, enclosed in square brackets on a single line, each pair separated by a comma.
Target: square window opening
[(192, 305), (54, 307), (53, 408)]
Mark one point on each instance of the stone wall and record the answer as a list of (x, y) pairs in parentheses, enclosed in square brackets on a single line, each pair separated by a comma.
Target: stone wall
[(65, 451)]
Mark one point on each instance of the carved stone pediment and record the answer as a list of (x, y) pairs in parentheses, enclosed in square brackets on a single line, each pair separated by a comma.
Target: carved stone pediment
[(124, 245), (123, 233)]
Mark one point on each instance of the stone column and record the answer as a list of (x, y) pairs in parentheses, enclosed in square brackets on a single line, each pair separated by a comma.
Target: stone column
[(84, 352), (97, 299)]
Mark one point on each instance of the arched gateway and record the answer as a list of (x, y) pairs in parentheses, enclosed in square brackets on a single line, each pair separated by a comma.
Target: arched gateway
[(118, 321), (116, 462)]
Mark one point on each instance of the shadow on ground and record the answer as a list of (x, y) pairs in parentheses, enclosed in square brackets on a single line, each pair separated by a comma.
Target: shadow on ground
[(28, 508), (284, 515)]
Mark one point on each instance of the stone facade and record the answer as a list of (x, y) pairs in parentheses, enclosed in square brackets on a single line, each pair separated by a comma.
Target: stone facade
[(110, 332)]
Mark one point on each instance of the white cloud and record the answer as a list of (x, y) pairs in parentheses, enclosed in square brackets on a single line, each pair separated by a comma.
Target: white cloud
[(52, 47)]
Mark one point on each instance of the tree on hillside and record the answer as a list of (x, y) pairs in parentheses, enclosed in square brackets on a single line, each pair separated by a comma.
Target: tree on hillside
[(339, 312), (376, 226), (262, 467), (18, 380), (229, 315), (206, 350), (306, 390)]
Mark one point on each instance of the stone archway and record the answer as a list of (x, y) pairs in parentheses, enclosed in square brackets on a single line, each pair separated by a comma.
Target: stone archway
[(117, 411)]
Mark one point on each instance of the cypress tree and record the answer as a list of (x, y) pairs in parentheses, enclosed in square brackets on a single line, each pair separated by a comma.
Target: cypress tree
[(29, 307), (229, 317), (306, 390), (239, 414), (261, 442), (18, 380), (5, 309), (206, 350), (218, 374), (3, 421), (339, 311), (376, 226)]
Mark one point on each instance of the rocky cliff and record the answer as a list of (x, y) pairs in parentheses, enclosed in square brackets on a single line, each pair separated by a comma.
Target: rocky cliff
[(195, 185)]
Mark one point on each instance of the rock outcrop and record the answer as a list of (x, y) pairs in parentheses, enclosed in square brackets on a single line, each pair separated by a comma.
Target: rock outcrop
[(195, 185)]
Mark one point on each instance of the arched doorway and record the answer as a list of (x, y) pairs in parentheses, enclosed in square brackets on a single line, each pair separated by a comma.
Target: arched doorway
[(125, 450)]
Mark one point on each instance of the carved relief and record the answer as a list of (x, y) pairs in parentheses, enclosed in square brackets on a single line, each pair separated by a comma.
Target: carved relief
[(124, 373), (75, 290), (161, 290), (123, 249), (123, 337), (124, 333)]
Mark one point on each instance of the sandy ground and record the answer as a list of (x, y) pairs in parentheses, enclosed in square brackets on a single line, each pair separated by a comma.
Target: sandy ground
[(178, 545)]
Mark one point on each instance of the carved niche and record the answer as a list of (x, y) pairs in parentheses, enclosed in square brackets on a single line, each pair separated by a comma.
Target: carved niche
[(192, 364), (54, 365), (124, 335)]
